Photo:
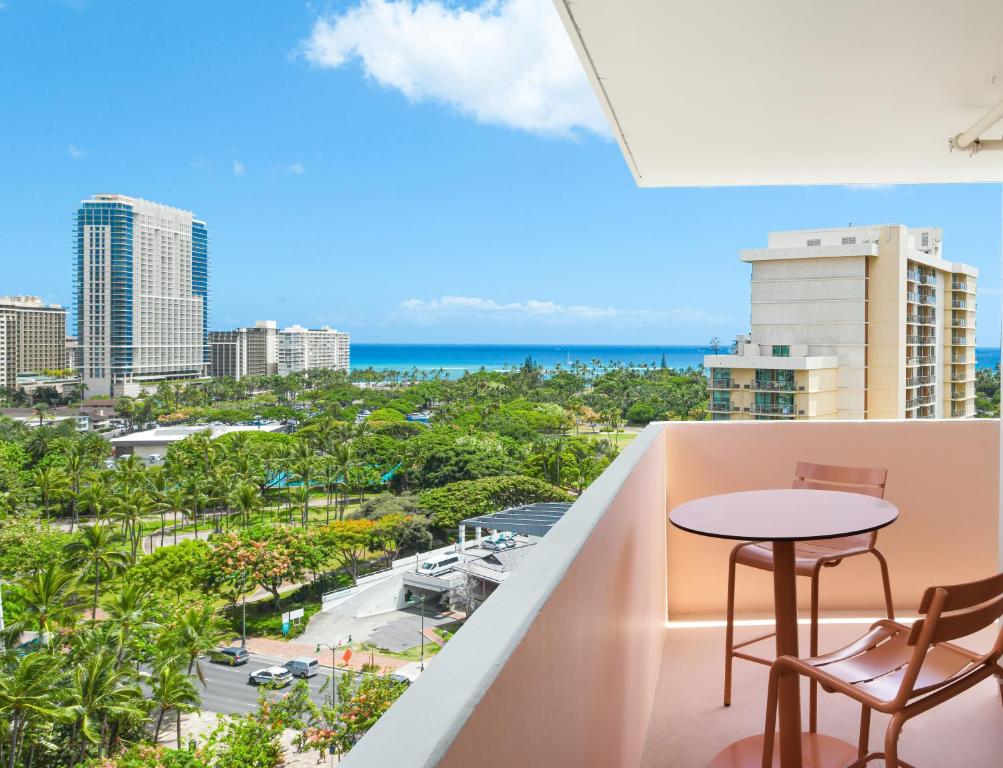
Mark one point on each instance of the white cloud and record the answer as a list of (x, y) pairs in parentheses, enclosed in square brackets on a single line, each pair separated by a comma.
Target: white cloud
[(238, 168), (548, 311), (293, 169), (505, 62), (75, 152)]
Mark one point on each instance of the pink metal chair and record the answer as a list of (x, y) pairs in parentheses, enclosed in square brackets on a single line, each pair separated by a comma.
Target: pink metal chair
[(904, 671), (812, 557)]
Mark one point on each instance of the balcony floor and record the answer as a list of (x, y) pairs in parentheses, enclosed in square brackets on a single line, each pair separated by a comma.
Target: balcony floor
[(689, 725)]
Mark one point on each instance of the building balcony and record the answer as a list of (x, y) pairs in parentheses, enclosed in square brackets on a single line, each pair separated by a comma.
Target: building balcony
[(961, 286), (919, 361), (958, 304), (927, 319), (771, 409), (720, 384), (919, 381), (926, 341), (720, 407), (959, 341), (775, 386), (959, 359), (605, 647)]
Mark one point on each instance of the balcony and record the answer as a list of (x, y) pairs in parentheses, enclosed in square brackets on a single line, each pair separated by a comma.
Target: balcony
[(720, 407), (774, 386), (605, 647), (771, 409), (959, 359), (918, 381), (720, 384), (959, 286), (926, 341), (959, 341), (958, 304), (919, 361), (958, 322), (928, 319)]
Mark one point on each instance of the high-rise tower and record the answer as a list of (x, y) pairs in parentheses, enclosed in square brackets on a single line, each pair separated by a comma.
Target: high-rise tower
[(141, 294)]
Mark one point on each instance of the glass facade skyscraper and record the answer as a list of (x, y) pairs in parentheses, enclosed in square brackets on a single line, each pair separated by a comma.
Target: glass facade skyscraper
[(141, 294)]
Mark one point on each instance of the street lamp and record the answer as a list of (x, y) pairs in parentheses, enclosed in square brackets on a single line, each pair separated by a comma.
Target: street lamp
[(243, 609), (421, 606), (334, 664)]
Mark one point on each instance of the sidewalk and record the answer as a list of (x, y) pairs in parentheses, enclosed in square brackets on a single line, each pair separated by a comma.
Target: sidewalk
[(282, 649)]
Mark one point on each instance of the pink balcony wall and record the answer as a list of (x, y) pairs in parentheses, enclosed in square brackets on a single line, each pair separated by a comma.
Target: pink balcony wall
[(943, 476)]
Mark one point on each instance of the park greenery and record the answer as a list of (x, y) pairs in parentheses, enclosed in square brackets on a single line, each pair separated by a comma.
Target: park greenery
[(118, 576)]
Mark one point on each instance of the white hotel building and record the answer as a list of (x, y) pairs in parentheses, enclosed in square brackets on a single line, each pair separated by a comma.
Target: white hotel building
[(141, 294), (303, 349)]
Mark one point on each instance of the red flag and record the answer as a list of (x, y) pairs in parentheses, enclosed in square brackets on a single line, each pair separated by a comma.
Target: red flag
[(347, 655)]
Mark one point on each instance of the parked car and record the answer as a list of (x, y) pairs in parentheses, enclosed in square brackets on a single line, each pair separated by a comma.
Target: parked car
[(278, 677), (305, 666), (233, 656), (439, 565), (499, 541)]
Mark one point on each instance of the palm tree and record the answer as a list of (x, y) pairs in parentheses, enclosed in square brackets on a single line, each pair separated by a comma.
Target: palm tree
[(172, 689), (304, 466), (47, 596), (41, 410), (246, 500), (51, 484), (96, 499), (198, 631), (29, 696), (74, 467), (129, 610), (100, 692), (130, 510), (175, 502), (96, 551)]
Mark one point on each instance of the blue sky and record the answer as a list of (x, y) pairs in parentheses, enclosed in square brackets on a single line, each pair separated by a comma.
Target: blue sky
[(407, 173)]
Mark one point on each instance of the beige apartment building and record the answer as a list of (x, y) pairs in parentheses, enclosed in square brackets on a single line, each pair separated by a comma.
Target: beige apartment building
[(304, 349), (852, 323), (251, 351), (32, 337)]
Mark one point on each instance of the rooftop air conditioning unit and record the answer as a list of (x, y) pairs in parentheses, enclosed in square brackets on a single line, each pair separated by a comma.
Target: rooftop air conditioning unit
[(814, 241)]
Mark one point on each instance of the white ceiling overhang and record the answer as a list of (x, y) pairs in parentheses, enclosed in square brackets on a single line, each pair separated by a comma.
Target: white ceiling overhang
[(750, 92)]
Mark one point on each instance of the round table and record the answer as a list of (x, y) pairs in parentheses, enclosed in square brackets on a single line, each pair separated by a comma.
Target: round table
[(784, 517)]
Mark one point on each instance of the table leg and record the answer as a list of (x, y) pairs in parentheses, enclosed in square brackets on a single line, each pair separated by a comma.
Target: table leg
[(789, 699)]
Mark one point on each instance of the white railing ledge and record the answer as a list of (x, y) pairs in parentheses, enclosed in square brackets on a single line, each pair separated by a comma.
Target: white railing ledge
[(419, 729)]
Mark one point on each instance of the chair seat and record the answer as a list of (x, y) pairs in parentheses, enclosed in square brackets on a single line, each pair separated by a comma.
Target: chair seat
[(807, 553), (875, 663)]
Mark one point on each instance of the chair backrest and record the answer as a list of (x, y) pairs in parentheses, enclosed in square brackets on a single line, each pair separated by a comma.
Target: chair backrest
[(958, 610), (951, 612), (826, 477)]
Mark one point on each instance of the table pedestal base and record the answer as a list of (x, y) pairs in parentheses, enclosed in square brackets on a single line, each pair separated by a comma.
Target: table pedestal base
[(817, 751)]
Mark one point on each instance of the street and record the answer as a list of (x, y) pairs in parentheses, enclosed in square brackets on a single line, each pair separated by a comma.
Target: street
[(227, 691)]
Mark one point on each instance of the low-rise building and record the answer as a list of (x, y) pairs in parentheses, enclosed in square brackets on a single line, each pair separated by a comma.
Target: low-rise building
[(244, 352), (32, 337), (157, 441), (304, 349)]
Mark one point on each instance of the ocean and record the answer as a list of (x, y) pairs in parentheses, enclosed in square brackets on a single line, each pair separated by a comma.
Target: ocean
[(454, 359)]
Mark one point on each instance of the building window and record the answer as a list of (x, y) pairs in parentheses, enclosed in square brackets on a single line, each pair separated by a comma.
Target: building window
[(849, 241), (781, 350), (814, 241)]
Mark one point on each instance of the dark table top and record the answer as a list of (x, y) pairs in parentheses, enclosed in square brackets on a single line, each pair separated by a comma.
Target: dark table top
[(784, 514)]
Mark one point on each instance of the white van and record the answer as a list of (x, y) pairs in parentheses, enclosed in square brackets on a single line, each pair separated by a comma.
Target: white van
[(304, 666), (409, 672), (439, 565)]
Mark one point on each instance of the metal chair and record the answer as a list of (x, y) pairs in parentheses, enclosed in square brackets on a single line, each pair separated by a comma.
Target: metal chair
[(904, 671), (812, 557)]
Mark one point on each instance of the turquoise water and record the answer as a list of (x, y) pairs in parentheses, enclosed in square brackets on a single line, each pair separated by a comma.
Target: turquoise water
[(457, 358)]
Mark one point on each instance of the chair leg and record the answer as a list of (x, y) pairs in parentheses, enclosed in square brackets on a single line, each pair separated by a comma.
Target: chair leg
[(892, 741), (813, 651), (729, 632), (886, 582), (865, 731), (770, 731)]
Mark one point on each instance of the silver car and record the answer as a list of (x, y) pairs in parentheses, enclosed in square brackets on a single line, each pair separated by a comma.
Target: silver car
[(277, 677)]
